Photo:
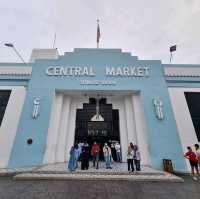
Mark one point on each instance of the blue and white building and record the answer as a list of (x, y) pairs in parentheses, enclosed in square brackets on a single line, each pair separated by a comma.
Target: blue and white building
[(106, 95)]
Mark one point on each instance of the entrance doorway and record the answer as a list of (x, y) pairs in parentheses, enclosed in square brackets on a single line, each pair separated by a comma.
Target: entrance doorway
[(98, 121)]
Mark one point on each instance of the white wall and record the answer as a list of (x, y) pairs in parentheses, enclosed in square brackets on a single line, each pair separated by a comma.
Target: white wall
[(182, 116), (10, 122)]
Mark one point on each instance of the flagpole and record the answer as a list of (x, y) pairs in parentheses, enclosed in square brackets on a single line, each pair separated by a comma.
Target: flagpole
[(171, 56), (98, 33), (54, 40)]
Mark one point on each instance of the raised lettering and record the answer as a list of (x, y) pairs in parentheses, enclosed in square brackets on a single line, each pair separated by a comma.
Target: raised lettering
[(77, 71), (110, 71), (49, 71), (85, 71), (140, 71), (91, 71), (133, 71), (126, 71), (63, 71), (119, 71)]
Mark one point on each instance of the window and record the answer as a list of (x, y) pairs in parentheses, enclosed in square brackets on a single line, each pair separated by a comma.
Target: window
[(193, 102), (4, 97)]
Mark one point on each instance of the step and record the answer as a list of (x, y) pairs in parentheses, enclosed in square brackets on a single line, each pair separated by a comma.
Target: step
[(98, 176)]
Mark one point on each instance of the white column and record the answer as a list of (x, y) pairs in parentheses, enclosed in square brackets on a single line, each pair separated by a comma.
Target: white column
[(50, 152), (71, 127), (141, 129), (10, 122), (61, 143), (123, 130), (130, 120)]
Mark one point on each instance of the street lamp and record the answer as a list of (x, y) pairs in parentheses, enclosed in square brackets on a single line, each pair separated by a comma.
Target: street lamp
[(10, 45)]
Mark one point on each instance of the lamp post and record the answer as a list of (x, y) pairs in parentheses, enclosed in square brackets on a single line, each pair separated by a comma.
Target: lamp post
[(10, 45)]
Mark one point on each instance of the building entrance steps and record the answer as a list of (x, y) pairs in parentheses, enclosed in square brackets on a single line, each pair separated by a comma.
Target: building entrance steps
[(119, 171)]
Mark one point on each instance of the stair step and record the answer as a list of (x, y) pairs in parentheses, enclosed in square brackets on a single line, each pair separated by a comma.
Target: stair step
[(89, 176)]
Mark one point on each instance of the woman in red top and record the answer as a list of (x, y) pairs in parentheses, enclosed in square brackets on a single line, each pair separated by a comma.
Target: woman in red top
[(191, 156)]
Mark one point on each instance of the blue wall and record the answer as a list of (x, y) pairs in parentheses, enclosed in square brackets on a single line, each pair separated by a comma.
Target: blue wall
[(163, 137)]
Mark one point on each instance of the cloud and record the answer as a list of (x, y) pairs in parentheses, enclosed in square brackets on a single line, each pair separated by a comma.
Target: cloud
[(145, 28)]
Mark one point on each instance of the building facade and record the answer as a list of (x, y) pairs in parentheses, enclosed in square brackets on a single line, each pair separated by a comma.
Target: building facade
[(105, 95)]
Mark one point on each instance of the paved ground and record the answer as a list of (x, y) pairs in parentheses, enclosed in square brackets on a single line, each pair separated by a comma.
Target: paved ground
[(11, 189)]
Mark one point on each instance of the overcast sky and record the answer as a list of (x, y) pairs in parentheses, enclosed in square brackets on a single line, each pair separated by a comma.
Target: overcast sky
[(145, 28)]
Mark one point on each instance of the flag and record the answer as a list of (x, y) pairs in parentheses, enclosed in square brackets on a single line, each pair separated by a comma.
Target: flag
[(172, 48), (98, 33)]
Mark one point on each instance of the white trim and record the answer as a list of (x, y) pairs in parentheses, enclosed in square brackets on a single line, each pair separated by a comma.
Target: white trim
[(15, 70), (182, 72), (10, 122)]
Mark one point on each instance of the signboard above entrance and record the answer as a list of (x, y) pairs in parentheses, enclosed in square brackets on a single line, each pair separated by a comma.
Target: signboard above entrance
[(132, 71)]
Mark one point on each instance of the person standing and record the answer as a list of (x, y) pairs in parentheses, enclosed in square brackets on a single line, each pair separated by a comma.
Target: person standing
[(72, 160), (85, 156), (95, 154), (130, 154), (137, 157), (191, 156), (80, 145), (77, 153), (197, 153), (118, 152), (107, 155), (132, 146), (113, 151)]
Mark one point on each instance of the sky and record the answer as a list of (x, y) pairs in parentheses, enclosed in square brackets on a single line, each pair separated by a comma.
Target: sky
[(146, 28)]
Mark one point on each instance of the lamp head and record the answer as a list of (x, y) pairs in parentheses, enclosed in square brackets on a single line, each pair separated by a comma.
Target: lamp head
[(9, 45)]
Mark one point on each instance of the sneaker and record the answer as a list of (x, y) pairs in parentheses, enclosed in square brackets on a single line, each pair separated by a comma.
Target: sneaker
[(195, 178)]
